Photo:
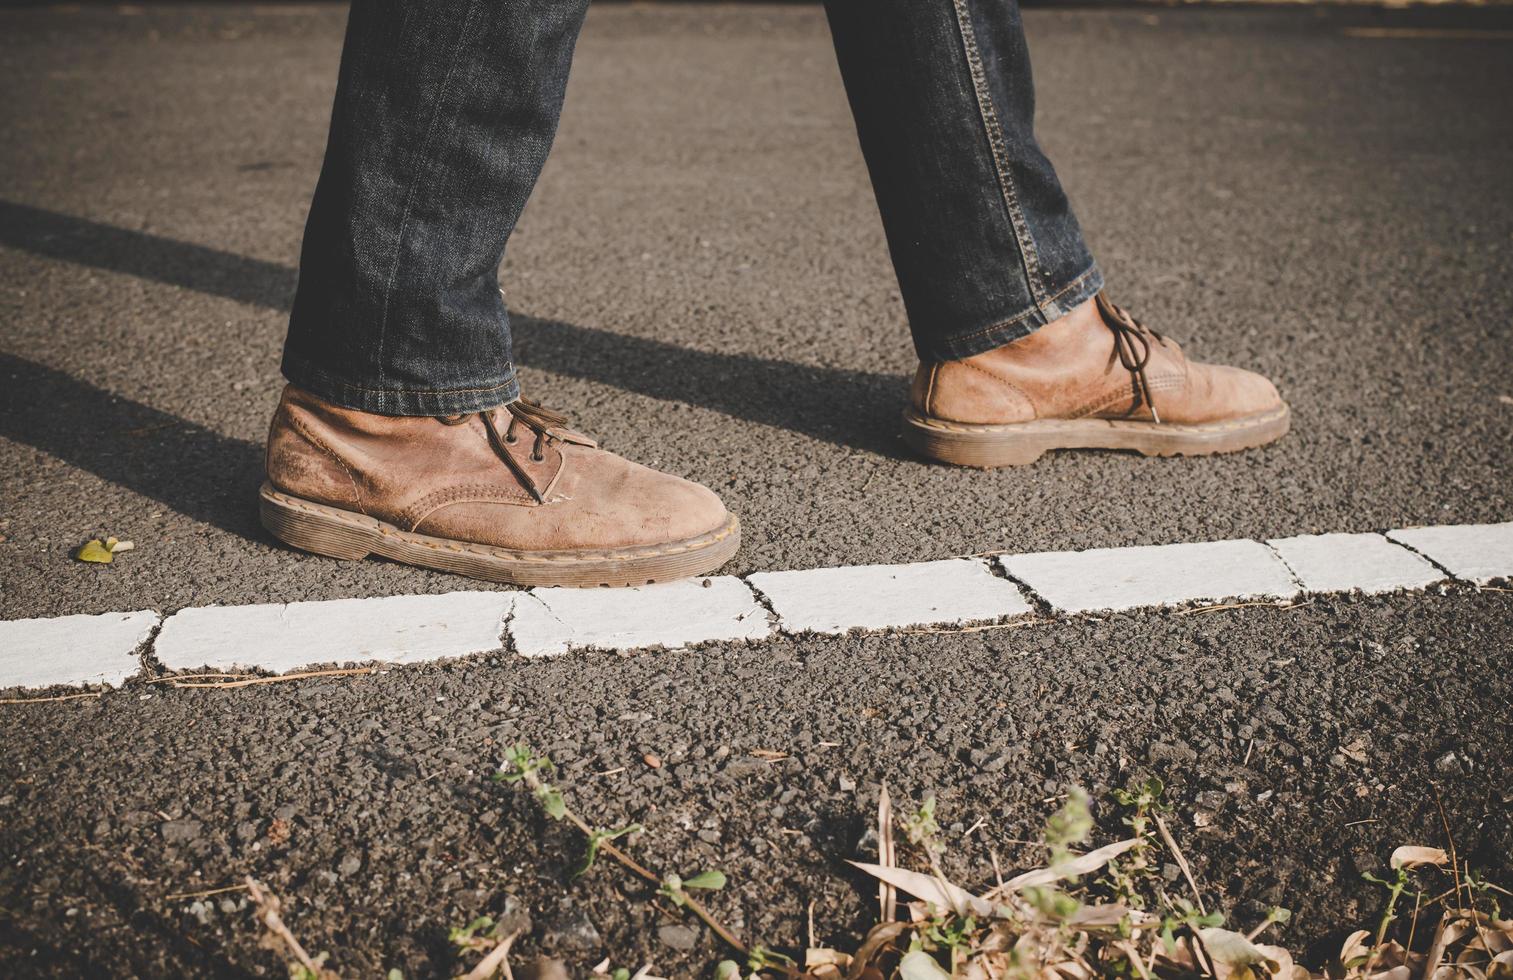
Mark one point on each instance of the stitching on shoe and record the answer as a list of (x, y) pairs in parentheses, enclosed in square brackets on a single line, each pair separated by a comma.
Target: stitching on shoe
[(1024, 395), (318, 443), (415, 514), (1163, 382)]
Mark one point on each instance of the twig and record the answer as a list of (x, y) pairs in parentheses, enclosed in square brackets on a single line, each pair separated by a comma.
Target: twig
[(1436, 948), (58, 697), (498, 959), (1187, 872), (640, 870), (1017, 624), (204, 894), (887, 895), (1418, 903), (1357, 823), (1450, 840), (1197, 610), (268, 906), (280, 679), (1133, 955)]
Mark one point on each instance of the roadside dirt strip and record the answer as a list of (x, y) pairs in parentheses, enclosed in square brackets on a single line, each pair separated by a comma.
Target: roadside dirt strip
[(958, 592)]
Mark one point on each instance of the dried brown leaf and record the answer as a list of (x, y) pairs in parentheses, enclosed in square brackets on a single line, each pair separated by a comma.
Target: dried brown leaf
[(1410, 856), (1081, 865), (1232, 953), (876, 940), (936, 891)]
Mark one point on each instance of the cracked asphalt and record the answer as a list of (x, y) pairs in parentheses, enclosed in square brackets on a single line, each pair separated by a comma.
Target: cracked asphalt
[(701, 281)]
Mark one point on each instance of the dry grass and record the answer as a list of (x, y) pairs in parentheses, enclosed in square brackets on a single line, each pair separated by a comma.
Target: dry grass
[(1085, 914)]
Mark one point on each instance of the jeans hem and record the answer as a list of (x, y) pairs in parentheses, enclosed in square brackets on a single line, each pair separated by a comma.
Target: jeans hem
[(399, 401), (1059, 303)]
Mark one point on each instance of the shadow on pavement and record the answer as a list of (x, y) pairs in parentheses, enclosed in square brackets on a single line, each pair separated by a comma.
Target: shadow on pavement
[(854, 409), (192, 469)]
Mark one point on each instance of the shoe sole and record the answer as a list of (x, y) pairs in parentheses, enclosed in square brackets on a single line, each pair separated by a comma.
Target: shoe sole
[(343, 534), (1018, 444)]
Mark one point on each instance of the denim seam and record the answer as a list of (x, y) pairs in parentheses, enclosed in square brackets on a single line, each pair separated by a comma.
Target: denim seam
[(994, 133), (398, 401), (404, 218), (1032, 311), (425, 391)]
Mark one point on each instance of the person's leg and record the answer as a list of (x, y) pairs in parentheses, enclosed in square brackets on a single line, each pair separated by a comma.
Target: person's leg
[(1019, 351), (401, 432), (444, 114), (983, 240)]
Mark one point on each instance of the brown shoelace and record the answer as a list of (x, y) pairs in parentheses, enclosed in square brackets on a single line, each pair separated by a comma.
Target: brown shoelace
[(544, 423), (1132, 342)]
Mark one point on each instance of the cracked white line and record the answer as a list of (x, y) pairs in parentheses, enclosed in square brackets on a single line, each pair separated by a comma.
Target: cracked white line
[(75, 650)]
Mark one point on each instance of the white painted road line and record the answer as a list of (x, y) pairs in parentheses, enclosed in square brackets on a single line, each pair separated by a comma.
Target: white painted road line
[(548, 621), (395, 629), (1161, 575), (1477, 553), (413, 628), (73, 649), (876, 597), (1368, 563)]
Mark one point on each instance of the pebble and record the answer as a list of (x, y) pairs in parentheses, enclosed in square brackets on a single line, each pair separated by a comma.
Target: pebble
[(678, 936), (571, 929), (180, 831), (652, 760)]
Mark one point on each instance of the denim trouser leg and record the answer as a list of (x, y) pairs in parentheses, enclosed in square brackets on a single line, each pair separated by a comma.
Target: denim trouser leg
[(983, 241), (444, 113)]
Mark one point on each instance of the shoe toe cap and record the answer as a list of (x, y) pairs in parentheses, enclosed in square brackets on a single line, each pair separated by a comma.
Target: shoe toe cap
[(1235, 393)]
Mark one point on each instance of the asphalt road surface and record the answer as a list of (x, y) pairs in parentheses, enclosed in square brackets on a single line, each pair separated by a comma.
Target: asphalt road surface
[(701, 281)]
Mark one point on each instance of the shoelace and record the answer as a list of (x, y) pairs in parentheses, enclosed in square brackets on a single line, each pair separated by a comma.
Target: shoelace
[(1132, 342), (533, 417)]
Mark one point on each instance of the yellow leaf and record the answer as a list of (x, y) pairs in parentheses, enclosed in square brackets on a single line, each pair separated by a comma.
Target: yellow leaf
[(95, 550)]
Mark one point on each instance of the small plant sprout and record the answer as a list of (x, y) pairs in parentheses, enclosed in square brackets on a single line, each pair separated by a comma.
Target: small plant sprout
[(301, 965), (521, 766), (476, 935), (922, 830), (598, 839), (673, 887), (1070, 825), (1129, 872)]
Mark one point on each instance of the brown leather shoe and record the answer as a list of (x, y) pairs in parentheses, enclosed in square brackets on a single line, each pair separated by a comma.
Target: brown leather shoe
[(508, 495), (1096, 380)]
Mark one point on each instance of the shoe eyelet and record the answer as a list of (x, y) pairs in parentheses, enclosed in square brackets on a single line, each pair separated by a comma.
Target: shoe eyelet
[(538, 458), (511, 439), (453, 419)]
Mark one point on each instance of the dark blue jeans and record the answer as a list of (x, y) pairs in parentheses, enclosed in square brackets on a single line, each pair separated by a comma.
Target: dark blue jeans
[(444, 114)]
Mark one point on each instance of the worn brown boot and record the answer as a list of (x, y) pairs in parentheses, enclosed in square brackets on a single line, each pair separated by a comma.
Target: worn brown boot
[(508, 495), (1097, 379)]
